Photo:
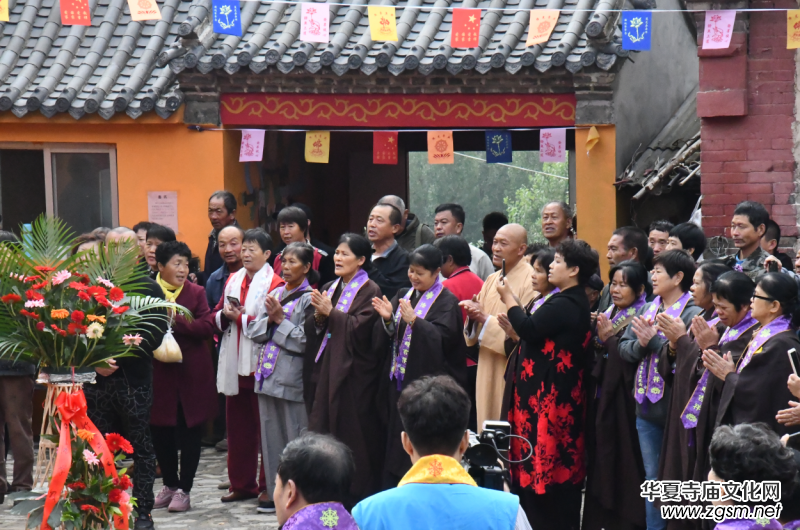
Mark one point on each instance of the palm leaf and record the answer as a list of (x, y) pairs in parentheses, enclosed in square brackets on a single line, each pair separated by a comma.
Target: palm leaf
[(117, 262), (48, 243)]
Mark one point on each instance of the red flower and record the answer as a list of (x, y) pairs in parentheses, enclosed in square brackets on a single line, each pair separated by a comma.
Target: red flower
[(11, 298), (45, 270), (84, 296), (73, 329), (89, 508), (123, 482), (78, 286), (40, 326), (83, 277), (55, 328), (62, 332), (116, 294), (117, 443), (103, 301), (30, 279), (38, 286), (121, 309), (33, 295), (77, 486), (29, 314), (115, 495), (97, 290), (78, 316)]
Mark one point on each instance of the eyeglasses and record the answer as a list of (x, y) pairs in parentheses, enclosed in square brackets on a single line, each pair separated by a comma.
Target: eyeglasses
[(764, 298)]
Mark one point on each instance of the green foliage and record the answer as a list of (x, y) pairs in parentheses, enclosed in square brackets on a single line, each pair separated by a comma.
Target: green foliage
[(481, 188)]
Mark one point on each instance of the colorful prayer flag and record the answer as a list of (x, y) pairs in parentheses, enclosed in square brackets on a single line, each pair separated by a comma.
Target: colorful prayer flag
[(382, 23), (384, 147), (314, 22), (498, 146), (466, 28), (591, 139), (637, 28), (793, 29), (75, 13), (4, 10), (318, 146), (542, 24), (552, 145), (718, 29), (440, 147), (227, 18), (143, 10), (252, 148)]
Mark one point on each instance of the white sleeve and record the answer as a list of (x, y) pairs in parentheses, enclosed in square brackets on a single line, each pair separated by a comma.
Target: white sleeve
[(522, 521), (483, 329)]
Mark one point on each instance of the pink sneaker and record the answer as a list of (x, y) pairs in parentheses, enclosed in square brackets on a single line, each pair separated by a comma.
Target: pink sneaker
[(180, 502), (164, 498)]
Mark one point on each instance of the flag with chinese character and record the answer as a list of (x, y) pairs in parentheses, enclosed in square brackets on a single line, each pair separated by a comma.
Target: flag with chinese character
[(382, 23), (314, 22), (384, 147), (227, 18), (143, 10), (552, 145), (498, 146), (4, 10), (637, 28), (541, 25), (318, 146), (252, 149), (793, 29), (440, 147), (466, 28), (718, 29), (75, 13)]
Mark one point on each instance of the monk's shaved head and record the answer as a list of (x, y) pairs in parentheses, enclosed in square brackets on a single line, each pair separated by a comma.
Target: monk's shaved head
[(515, 233), (509, 244)]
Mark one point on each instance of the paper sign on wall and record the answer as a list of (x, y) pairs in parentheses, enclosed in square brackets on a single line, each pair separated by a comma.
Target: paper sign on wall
[(466, 28), (718, 29), (314, 22), (4, 10), (637, 28), (552, 145), (75, 13), (384, 147), (162, 208), (793, 29), (143, 10), (542, 24), (382, 23), (252, 148), (318, 146), (440, 147)]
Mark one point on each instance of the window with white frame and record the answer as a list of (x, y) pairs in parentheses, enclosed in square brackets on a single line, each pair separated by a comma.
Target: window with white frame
[(76, 182)]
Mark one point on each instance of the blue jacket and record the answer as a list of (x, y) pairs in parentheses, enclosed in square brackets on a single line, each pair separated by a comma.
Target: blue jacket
[(215, 285)]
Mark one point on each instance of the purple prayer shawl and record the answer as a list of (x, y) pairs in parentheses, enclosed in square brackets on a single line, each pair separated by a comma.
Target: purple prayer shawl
[(267, 365), (349, 293), (322, 516), (748, 524), (400, 358), (792, 525), (692, 409), (648, 382), (778, 325), (538, 303)]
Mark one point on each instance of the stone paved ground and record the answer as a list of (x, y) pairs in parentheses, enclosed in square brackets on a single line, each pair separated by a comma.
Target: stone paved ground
[(207, 511)]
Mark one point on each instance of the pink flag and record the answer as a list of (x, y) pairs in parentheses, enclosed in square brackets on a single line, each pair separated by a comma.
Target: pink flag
[(252, 149), (314, 22), (552, 145), (718, 29)]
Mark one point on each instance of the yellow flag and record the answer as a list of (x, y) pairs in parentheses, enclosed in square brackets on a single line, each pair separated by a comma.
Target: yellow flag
[(542, 23), (4, 10), (592, 138), (143, 10), (382, 23), (440, 147), (318, 146), (793, 29)]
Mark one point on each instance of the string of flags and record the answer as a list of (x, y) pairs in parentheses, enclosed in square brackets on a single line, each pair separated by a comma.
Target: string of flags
[(552, 146)]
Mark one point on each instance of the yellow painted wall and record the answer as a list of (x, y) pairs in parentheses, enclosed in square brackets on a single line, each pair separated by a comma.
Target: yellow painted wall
[(595, 203), (152, 155)]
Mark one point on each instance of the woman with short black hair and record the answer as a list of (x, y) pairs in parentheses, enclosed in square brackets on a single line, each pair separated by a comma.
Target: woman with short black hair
[(424, 327), (545, 398)]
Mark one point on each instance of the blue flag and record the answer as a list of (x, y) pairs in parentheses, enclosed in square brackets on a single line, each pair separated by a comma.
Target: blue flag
[(227, 19), (498, 146), (637, 28)]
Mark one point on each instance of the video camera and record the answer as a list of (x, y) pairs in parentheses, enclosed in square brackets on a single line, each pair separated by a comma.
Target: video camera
[(484, 451)]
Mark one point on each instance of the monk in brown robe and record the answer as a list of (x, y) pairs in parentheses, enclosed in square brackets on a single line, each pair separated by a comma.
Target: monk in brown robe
[(482, 326)]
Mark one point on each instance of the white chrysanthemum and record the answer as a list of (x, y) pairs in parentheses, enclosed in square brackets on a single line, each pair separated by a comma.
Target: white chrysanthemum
[(95, 330)]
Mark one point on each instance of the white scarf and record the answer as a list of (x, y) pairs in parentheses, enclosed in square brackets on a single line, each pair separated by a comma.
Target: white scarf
[(235, 361)]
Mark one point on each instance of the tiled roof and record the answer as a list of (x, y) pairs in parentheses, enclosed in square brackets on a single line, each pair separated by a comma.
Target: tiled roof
[(587, 33), (108, 67)]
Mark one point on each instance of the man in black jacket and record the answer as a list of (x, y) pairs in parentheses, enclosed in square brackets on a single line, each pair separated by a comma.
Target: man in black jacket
[(390, 261), (121, 399), (221, 212)]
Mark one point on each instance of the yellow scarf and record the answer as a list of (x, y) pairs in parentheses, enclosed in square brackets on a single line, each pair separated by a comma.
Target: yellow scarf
[(171, 293), (437, 469)]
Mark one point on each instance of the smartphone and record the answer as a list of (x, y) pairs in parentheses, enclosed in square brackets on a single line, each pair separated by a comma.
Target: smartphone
[(794, 358), (233, 301), (504, 268), (772, 267)]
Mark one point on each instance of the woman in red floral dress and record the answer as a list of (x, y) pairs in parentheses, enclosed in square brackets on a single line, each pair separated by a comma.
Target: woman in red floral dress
[(545, 394)]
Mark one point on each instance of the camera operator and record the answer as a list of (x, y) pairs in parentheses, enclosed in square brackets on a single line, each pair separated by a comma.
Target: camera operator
[(437, 492)]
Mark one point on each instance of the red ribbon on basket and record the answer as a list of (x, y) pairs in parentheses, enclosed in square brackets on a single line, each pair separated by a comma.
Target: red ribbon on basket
[(72, 408)]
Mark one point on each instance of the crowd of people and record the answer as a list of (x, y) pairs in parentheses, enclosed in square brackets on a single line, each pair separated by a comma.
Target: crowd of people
[(344, 378)]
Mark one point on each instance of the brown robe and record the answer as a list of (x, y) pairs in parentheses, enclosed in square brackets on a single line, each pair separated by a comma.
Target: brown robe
[(340, 390), (615, 469), (760, 391)]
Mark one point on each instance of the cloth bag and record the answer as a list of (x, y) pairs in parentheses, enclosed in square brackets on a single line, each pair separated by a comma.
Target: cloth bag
[(169, 351)]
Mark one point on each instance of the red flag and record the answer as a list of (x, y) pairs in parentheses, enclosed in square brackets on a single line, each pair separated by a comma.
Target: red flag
[(466, 28), (384, 147), (75, 13)]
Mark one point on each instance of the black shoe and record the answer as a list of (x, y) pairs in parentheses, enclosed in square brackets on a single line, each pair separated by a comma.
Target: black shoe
[(144, 522), (266, 507)]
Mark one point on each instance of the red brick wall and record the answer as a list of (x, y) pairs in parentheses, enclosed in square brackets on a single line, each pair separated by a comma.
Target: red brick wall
[(749, 157)]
